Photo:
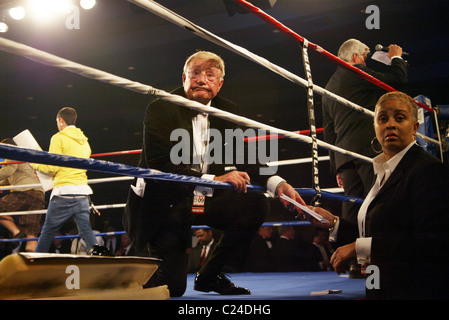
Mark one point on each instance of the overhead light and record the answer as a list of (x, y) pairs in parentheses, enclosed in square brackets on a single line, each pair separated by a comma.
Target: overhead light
[(87, 4), (41, 9), (3, 27), (62, 6), (17, 13), (45, 9)]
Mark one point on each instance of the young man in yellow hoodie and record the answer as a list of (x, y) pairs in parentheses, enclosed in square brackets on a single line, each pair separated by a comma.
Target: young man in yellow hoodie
[(70, 195)]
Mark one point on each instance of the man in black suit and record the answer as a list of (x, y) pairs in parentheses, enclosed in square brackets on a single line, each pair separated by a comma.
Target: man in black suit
[(126, 248), (320, 253), (260, 256), (287, 253), (165, 214), (202, 251), (352, 130)]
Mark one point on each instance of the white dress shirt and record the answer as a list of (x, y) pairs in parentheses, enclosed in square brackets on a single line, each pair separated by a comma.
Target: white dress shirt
[(206, 248), (201, 135)]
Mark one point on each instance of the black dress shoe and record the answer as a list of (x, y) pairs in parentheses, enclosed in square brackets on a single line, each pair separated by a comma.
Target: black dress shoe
[(219, 283)]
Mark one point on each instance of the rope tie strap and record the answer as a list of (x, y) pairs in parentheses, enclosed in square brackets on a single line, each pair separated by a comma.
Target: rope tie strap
[(312, 125)]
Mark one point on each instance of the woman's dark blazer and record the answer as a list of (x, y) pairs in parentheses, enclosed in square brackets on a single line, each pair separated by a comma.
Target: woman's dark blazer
[(409, 224)]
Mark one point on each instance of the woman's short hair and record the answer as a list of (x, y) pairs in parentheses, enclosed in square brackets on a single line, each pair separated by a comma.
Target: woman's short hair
[(215, 59), (397, 95)]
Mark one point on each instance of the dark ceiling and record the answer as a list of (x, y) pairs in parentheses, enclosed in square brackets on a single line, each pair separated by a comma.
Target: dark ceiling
[(117, 37)]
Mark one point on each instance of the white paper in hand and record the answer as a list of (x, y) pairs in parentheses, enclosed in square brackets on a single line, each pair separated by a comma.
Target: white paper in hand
[(139, 189), (381, 57), (305, 209), (25, 139)]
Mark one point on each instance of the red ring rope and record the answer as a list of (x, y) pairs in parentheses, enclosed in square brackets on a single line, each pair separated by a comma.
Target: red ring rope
[(275, 136), (116, 153)]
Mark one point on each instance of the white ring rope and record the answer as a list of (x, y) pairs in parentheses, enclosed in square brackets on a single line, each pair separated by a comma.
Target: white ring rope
[(44, 211), (113, 206), (54, 61), (182, 22), (294, 161)]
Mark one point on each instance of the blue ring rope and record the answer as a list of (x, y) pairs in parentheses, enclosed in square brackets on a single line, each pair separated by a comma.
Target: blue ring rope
[(102, 234), (37, 156)]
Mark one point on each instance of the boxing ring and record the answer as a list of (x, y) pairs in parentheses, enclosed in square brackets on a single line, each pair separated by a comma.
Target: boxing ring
[(284, 286), (323, 285)]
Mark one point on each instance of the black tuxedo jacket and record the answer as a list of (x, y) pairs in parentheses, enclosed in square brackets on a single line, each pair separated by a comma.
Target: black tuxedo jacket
[(345, 127), (409, 224), (260, 258), (161, 119)]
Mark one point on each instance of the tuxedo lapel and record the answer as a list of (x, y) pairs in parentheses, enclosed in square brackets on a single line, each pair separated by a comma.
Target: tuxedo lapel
[(399, 175)]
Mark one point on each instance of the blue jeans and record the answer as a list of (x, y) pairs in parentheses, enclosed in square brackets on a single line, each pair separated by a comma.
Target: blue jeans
[(61, 209)]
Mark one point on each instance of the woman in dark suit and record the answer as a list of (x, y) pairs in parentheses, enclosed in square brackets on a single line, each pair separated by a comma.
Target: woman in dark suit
[(403, 224)]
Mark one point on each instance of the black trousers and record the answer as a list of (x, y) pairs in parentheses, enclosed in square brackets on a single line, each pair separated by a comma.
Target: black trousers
[(237, 215)]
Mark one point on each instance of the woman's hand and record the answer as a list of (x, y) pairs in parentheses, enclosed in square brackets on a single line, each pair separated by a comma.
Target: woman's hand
[(326, 215)]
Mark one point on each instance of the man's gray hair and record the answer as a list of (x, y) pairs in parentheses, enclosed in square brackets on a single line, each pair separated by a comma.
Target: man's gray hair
[(351, 46), (216, 60)]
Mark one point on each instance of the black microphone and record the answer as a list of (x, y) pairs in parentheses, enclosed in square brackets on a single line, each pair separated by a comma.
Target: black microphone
[(380, 47)]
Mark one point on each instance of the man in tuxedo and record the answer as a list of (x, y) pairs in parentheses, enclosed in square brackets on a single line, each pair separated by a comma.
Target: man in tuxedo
[(202, 251), (111, 241), (163, 217), (260, 255), (287, 254), (352, 130), (126, 248), (320, 254)]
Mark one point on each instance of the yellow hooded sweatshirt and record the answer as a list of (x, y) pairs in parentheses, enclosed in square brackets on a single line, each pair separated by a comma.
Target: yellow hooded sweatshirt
[(71, 141)]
